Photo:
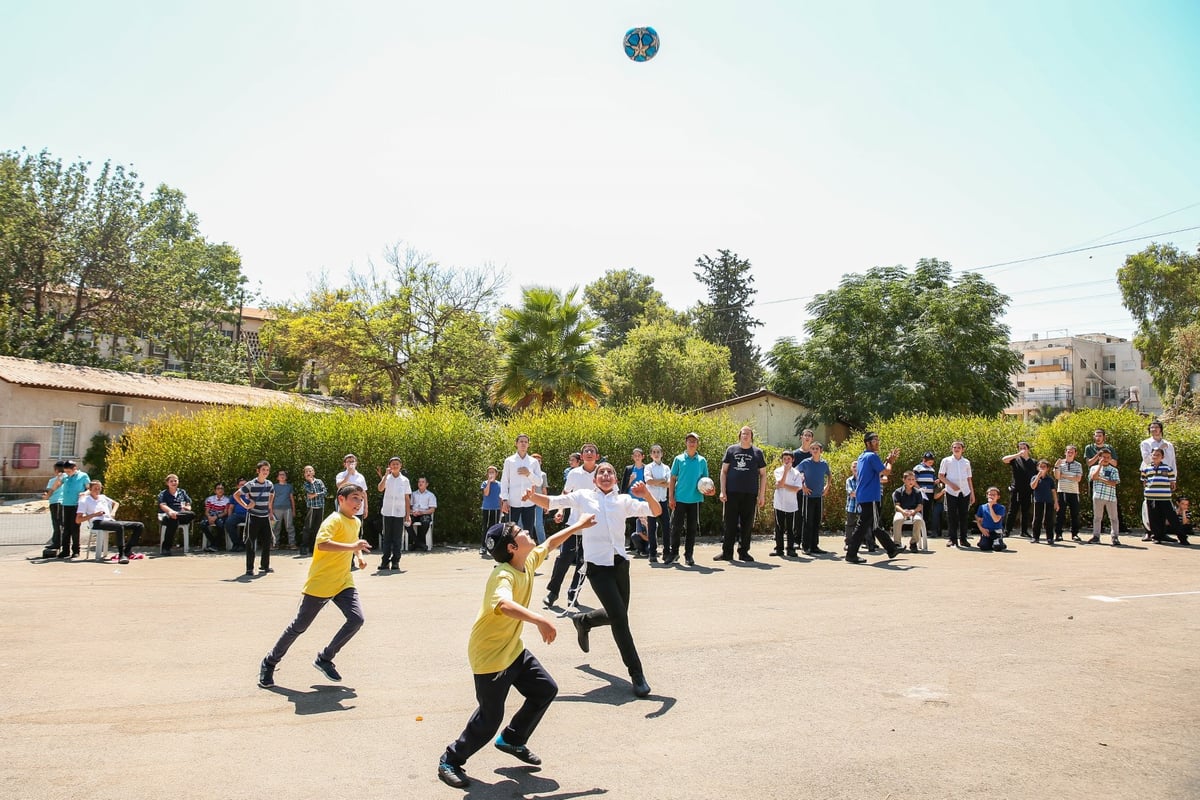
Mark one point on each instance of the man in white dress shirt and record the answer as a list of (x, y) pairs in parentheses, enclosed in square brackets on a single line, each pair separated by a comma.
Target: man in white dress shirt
[(521, 471)]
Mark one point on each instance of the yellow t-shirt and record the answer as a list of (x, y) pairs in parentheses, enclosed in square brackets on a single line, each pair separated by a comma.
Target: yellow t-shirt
[(329, 572), (496, 637)]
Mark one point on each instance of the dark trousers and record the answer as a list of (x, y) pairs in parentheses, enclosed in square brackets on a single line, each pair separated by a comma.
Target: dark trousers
[(656, 527), (1043, 520), (569, 555), (232, 523), (685, 520), (1067, 501), (525, 517), (1163, 519), (347, 602), (258, 533), (611, 585), (390, 539), (813, 511), (1019, 501), (527, 676), (421, 523), (312, 524), (931, 512), (739, 519), (213, 534), (491, 516), (70, 530), (171, 525), (958, 512), (785, 529), (56, 525), (867, 529), (128, 533)]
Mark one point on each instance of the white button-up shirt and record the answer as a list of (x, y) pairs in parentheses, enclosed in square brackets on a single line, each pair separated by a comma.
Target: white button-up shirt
[(658, 472), (606, 539), (513, 485), (396, 489), (957, 471)]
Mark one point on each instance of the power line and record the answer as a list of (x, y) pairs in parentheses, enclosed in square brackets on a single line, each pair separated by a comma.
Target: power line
[(1079, 250)]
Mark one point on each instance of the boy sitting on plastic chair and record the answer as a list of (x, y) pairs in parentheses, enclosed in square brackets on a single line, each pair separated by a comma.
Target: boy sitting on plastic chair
[(990, 521)]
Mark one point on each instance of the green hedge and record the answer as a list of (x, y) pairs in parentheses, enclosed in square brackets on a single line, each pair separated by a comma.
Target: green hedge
[(453, 448)]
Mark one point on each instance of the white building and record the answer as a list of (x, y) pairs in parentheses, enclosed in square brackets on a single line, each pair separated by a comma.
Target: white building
[(1093, 370)]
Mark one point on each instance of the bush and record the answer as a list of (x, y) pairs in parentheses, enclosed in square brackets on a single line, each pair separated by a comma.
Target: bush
[(449, 446), (452, 448)]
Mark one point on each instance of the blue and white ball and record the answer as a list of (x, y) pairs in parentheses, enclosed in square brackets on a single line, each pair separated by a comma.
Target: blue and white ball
[(641, 44)]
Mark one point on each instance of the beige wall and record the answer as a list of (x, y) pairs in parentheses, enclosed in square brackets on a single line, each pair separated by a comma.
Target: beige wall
[(774, 421), (25, 411)]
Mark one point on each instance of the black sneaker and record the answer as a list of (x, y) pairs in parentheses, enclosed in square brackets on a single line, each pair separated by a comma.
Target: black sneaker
[(722, 557), (745, 557), (581, 633), (266, 674), (640, 687), (327, 668), (549, 600), (517, 751), (452, 775)]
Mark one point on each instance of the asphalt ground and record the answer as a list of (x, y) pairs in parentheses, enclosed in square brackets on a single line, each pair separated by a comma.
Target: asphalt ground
[(946, 674)]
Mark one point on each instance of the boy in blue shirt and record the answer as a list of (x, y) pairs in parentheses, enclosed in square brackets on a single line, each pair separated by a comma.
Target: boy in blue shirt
[(990, 521)]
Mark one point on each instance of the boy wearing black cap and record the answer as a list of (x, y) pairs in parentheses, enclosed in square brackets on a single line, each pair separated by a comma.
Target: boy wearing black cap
[(498, 658)]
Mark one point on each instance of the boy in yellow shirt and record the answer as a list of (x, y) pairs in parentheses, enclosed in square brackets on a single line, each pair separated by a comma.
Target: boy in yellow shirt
[(338, 544), (498, 658)]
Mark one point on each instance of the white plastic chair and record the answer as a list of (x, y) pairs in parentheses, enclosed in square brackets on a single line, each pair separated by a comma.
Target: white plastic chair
[(185, 528)]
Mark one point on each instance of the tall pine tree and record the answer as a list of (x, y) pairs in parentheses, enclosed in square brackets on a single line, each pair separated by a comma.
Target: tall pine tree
[(725, 319)]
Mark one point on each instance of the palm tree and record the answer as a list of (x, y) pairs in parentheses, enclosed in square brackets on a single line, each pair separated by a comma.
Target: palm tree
[(550, 358)]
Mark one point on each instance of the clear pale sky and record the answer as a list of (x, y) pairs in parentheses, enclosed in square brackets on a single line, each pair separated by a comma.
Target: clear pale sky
[(814, 139)]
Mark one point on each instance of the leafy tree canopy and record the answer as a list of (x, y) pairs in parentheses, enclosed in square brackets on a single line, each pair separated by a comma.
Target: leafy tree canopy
[(88, 260), (415, 332), (622, 299), (725, 318), (892, 341), (666, 362), (551, 358), (1161, 288)]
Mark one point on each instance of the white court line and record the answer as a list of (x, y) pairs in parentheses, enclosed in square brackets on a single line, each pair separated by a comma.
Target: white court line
[(1106, 599)]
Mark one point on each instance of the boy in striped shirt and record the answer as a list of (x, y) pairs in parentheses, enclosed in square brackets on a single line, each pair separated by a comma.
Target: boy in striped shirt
[(1159, 482)]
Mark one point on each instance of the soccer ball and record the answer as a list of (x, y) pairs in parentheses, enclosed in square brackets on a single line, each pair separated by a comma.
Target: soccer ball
[(641, 44), (706, 486)]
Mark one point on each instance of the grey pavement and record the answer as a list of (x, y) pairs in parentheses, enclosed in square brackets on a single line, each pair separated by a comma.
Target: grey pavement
[(945, 674)]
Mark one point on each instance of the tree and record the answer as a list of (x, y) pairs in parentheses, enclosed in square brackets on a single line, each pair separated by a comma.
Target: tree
[(418, 333), (725, 319), (1161, 288), (1180, 370), (664, 361), (622, 299), (550, 358), (891, 341), (87, 262)]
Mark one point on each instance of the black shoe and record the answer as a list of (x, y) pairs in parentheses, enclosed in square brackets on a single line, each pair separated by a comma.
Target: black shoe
[(640, 687), (689, 562), (395, 565), (452, 775), (1037, 539), (581, 633), (669, 559), (816, 551), (965, 542), (266, 674), (872, 550), (895, 551), (912, 548), (517, 751), (1094, 540), (855, 560), (951, 543), (791, 553), (327, 668), (722, 557), (745, 557), (265, 570), (550, 599), (249, 573), (1075, 538), (775, 554)]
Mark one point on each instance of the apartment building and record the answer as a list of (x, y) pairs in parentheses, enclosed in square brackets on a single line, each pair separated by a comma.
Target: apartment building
[(1093, 370)]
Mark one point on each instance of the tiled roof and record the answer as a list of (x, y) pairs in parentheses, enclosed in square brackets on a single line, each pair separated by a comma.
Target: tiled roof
[(48, 375)]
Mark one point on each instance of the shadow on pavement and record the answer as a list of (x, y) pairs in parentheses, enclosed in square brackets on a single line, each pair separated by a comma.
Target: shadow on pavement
[(319, 701), (617, 692)]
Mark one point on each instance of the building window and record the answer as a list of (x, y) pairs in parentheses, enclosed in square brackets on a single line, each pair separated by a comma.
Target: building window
[(62, 439), (1032, 362), (1110, 363), (1092, 389), (157, 349), (1127, 366), (1020, 384), (1110, 393), (1083, 363)]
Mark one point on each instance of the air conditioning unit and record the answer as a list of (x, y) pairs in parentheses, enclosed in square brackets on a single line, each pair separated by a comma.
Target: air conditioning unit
[(115, 412)]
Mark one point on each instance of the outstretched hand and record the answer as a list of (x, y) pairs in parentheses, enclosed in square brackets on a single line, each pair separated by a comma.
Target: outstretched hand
[(586, 521)]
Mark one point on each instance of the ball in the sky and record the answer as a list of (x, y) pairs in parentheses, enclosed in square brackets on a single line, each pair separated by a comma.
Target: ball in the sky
[(641, 44)]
